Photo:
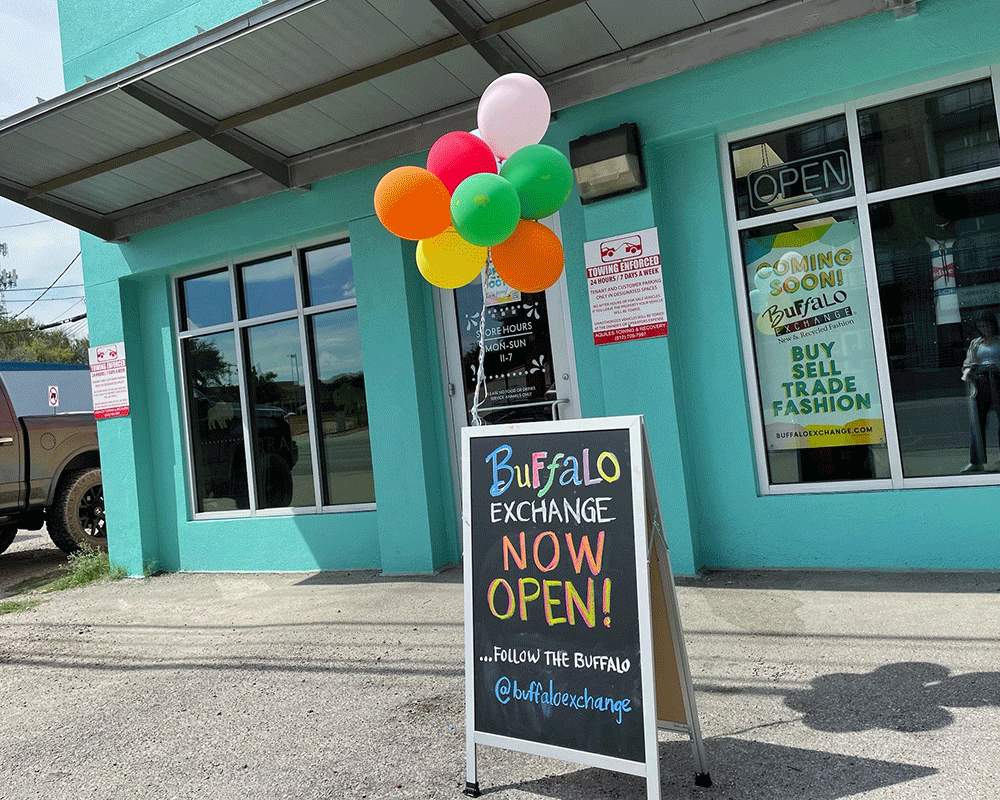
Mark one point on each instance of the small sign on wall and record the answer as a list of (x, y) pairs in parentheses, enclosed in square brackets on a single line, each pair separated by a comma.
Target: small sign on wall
[(109, 380), (625, 282)]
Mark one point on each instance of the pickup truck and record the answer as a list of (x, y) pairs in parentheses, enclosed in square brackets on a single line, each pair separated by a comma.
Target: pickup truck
[(50, 473)]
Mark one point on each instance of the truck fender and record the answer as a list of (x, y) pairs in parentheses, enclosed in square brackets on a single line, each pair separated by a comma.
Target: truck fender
[(82, 457)]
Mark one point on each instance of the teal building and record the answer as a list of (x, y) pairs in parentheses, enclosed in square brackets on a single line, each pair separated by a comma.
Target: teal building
[(820, 187)]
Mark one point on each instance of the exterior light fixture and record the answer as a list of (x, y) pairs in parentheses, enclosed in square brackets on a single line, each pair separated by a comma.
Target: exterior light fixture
[(607, 164)]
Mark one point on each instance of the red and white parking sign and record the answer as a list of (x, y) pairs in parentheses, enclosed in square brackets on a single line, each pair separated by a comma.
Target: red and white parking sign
[(109, 380), (626, 287)]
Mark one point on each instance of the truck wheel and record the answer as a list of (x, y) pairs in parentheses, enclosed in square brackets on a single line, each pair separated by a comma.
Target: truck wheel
[(76, 519), (7, 537)]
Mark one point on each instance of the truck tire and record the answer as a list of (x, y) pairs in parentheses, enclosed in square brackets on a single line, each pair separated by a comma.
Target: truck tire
[(7, 537), (76, 518)]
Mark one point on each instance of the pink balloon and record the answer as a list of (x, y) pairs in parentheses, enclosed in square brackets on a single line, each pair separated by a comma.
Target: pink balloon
[(457, 155), (513, 112)]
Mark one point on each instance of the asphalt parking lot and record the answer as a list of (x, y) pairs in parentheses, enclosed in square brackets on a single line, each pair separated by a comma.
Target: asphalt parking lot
[(810, 686)]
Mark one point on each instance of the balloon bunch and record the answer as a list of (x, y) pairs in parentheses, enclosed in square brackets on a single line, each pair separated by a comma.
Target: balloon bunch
[(482, 196)]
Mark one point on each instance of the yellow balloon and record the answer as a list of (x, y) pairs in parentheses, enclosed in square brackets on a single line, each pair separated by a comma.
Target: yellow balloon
[(448, 261)]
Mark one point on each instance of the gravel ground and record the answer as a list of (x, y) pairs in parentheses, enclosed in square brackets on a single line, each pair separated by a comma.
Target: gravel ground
[(30, 561), (810, 687)]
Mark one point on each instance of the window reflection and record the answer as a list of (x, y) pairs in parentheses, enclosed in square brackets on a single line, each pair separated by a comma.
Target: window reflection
[(279, 420), (934, 135), (342, 409), (268, 287), (938, 260), (216, 425), (205, 300), (329, 274)]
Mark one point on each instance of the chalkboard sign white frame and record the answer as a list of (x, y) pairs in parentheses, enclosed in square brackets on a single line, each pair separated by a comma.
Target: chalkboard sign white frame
[(647, 529)]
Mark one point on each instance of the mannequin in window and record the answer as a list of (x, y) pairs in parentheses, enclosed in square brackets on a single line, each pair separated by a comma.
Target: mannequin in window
[(981, 372)]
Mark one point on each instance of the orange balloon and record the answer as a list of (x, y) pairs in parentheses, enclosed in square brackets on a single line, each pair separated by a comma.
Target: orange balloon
[(413, 203), (530, 259)]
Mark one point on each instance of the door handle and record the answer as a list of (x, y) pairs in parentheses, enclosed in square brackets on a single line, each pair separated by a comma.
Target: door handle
[(6, 440)]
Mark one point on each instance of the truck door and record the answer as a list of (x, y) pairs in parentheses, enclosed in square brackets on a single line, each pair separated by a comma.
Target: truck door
[(11, 455)]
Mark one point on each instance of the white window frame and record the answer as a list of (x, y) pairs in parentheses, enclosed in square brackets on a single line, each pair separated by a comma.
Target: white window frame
[(860, 201), (238, 327)]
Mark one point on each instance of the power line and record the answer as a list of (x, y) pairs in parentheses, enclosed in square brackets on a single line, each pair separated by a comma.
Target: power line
[(66, 311), (77, 318), (24, 224), (41, 288), (47, 299), (70, 264)]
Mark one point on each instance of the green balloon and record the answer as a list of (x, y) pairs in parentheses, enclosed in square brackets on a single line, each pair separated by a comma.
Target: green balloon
[(543, 179), (485, 209)]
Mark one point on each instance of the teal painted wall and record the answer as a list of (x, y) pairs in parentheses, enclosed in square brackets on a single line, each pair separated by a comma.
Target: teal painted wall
[(102, 36), (689, 385), (693, 390)]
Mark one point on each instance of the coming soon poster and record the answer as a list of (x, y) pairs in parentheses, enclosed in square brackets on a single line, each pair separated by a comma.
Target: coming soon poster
[(813, 338)]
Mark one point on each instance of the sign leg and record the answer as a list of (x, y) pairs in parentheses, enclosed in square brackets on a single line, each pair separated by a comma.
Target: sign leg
[(471, 782)]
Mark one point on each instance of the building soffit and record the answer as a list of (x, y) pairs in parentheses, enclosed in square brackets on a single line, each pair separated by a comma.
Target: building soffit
[(302, 90)]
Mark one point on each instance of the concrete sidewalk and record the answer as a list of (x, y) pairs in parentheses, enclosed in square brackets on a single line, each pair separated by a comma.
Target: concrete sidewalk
[(811, 686)]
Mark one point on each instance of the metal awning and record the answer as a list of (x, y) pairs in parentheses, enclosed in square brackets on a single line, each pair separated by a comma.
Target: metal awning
[(301, 90)]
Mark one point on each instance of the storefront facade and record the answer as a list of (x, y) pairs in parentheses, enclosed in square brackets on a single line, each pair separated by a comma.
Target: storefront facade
[(827, 225)]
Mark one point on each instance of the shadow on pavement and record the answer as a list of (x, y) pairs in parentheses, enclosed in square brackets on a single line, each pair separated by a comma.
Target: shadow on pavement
[(740, 769), (847, 581), (452, 574), (32, 561), (906, 697)]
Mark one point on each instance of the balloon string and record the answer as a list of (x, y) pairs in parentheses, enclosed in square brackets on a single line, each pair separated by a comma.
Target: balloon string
[(477, 401)]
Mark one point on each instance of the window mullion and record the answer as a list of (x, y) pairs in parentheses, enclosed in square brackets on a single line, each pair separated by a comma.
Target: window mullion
[(315, 420), (874, 306), (244, 372), (312, 414), (793, 214)]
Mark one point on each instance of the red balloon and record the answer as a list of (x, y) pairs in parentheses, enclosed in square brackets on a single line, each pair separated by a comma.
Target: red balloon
[(457, 155)]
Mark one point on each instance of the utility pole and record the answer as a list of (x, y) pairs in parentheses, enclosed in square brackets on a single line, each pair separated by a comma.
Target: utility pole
[(8, 280)]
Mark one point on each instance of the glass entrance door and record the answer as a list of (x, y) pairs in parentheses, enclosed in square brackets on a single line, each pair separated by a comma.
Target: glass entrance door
[(527, 363)]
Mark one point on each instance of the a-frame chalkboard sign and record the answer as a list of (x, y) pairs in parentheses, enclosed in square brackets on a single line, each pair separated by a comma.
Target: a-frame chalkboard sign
[(573, 642)]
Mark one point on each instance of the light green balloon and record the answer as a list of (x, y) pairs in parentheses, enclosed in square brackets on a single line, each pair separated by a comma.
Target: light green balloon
[(485, 209), (543, 179)]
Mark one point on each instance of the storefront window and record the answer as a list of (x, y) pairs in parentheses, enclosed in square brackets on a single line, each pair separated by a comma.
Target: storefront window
[(295, 365), (217, 443), (938, 257), (205, 301), (949, 132), (819, 390), (342, 409), (887, 372), (329, 274), (278, 415), (267, 287)]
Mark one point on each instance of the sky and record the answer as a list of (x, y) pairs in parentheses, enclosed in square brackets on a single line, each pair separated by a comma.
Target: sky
[(38, 247)]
